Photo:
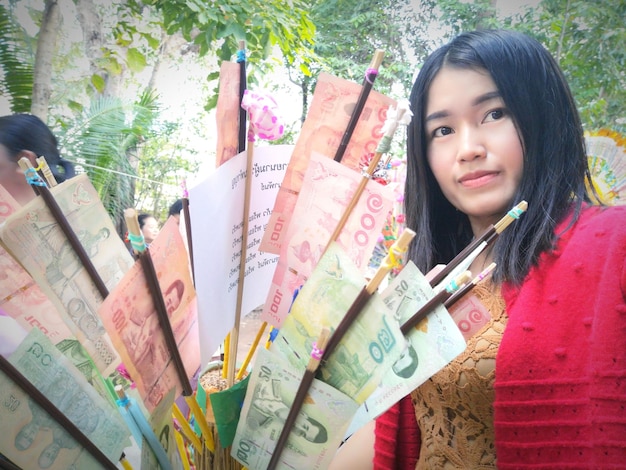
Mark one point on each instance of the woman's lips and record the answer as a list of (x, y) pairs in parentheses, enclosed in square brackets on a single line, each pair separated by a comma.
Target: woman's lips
[(477, 179)]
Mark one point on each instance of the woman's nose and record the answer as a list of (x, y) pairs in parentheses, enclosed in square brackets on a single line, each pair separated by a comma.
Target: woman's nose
[(471, 144)]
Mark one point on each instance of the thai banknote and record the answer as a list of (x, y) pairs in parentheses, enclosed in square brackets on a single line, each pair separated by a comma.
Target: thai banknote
[(317, 431), (31, 438), (369, 348), (34, 238), (227, 112), (331, 108), (470, 315), (431, 345), (20, 296), (327, 192), (130, 318)]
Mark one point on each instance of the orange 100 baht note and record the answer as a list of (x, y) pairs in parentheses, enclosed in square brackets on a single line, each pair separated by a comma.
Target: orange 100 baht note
[(328, 117)]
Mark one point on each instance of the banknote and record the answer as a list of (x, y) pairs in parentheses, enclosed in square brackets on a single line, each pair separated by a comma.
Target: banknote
[(20, 296), (227, 112), (370, 347), (130, 318), (23, 300), (34, 238), (329, 114), (31, 438), (470, 315), (317, 431), (327, 191), (431, 345)]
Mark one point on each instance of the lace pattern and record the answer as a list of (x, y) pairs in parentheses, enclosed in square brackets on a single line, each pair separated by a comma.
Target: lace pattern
[(454, 408)]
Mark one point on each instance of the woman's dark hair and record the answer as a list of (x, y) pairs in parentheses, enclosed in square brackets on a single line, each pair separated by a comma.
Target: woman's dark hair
[(20, 132), (555, 163), (141, 218), (176, 207)]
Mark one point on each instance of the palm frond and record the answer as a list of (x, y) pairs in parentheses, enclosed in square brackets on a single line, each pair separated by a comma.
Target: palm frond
[(17, 64)]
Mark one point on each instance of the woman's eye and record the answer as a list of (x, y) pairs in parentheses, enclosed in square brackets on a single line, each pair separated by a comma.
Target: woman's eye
[(442, 131), (494, 115)]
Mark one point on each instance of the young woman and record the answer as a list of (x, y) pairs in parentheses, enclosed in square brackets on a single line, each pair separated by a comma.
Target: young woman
[(543, 384), (25, 135), (149, 227)]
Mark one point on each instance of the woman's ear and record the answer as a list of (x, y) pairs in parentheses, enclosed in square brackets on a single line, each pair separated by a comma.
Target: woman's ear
[(32, 157)]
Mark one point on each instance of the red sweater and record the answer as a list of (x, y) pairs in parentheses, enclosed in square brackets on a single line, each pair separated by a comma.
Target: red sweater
[(561, 368)]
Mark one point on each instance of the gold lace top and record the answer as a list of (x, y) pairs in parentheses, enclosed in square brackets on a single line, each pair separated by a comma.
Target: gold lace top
[(454, 408)]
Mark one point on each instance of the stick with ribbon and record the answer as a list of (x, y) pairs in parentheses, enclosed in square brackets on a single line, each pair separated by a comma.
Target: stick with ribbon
[(241, 60), (33, 392), (393, 258), (40, 188), (368, 82), (487, 237), (135, 414), (266, 123), (400, 116), (143, 252)]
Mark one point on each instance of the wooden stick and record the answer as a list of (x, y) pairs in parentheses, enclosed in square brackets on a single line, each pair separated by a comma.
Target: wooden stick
[(47, 173), (466, 288), (434, 301), (368, 82), (234, 334), (159, 304), (255, 343), (50, 408), (243, 115), (195, 409), (367, 175), (309, 375), (61, 220), (226, 356), (186, 429), (186, 214), (488, 236), (351, 315), (144, 427)]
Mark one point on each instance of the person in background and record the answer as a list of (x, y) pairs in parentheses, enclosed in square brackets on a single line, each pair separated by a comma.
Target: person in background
[(175, 210), (543, 384), (25, 135), (149, 227)]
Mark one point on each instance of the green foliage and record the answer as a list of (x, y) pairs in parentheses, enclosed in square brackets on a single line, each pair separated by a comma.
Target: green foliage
[(104, 141), (217, 27), (16, 62), (589, 41)]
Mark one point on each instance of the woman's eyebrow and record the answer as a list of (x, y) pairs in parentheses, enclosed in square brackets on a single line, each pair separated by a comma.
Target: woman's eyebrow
[(477, 101)]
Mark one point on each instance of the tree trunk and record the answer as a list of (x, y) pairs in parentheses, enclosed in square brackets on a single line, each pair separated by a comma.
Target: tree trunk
[(42, 73), (91, 24)]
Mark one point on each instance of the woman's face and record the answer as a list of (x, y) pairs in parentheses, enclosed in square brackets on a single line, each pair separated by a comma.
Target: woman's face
[(150, 229), (473, 147), (12, 178)]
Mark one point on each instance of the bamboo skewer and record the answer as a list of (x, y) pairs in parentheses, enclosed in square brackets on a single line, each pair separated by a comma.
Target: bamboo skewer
[(368, 82), (355, 309), (234, 334), (50, 408), (241, 59), (255, 343), (487, 237), (144, 427), (159, 304), (47, 173), (456, 296), (41, 189), (400, 117), (434, 301)]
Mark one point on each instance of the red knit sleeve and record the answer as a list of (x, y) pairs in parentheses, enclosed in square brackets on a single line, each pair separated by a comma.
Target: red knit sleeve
[(397, 438)]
